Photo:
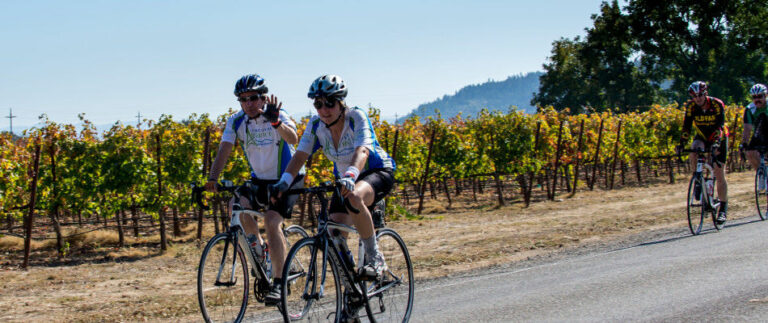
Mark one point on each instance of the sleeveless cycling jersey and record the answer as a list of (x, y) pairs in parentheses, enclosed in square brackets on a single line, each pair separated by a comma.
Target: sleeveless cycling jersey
[(357, 132), (751, 112), (708, 122), (267, 153)]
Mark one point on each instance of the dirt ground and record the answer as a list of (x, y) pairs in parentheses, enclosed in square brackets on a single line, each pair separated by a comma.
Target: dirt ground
[(139, 284)]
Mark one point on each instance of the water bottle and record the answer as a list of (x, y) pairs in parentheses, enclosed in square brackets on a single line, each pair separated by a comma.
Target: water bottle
[(710, 187)]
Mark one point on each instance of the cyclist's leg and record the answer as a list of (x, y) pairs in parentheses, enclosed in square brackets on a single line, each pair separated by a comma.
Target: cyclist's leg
[(693, 157), (720, 160), (248, 222), (753, 157), (273, 222)]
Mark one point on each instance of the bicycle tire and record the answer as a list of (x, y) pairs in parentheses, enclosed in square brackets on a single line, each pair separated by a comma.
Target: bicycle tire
[(308, 292), (695, 209), (391, 298), (219, 302), (762, 211)]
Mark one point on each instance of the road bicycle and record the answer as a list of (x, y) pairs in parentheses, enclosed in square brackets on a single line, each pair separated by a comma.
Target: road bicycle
[(761, 184), (222, 275), (702, 192), (326, 285)]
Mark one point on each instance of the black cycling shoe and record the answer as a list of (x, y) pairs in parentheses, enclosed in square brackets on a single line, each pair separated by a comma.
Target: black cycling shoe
[(273, 297), (721, 217)]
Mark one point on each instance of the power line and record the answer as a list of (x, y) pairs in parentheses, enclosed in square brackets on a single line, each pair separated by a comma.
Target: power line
[(10, 118)]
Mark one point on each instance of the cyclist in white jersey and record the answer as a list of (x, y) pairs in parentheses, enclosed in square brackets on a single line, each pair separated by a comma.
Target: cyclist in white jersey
[(366, 170), (267, 135)]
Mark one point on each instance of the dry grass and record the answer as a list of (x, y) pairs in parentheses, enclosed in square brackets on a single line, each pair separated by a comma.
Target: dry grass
[(138, 283)]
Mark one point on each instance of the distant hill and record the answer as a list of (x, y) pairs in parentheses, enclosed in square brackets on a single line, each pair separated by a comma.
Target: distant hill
[(516, 91)]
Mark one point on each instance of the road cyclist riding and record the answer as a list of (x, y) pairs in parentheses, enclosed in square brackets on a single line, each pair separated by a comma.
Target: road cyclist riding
[(266, 135), (755, 142), (365, 175), (705, 116)]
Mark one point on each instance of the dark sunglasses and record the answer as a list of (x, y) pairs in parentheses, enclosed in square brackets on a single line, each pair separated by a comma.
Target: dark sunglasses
[(698, 95), (328, 104), (254, 97), (760, 96)]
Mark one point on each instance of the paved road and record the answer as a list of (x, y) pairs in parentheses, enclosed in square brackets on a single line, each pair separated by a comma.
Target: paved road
[(716, 276)]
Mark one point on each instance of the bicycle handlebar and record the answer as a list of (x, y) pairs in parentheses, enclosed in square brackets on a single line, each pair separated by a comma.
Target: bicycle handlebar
[(324, 188), (197, 192)]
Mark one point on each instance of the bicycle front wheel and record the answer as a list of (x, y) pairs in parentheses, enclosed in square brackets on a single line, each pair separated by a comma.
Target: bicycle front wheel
[(696, 209), (391, 298), (311, 291), (761, 197), (222, 280)]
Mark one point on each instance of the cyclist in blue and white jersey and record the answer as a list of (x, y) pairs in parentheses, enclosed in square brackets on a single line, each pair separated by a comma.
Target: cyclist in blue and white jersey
[(267, 135), (347, 138), (754, 116)]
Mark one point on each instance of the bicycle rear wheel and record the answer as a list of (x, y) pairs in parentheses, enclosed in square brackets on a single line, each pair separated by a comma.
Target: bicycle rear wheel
[(391, 298), (311, 291), (761, 198), (222, 280), (695, 205)]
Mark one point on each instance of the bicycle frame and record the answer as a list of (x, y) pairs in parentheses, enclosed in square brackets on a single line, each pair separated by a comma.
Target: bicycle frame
[(704, 163)]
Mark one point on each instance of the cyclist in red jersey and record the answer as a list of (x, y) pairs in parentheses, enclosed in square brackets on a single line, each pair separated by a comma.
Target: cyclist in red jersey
[(705, 117)]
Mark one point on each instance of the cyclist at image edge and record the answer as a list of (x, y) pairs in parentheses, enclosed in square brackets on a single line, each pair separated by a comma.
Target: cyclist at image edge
[(754, 115), (366, 171), (705, 116), (267, 135)]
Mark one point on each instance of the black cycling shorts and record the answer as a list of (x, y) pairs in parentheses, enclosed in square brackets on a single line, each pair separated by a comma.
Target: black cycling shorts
[(381, 179), (284, 206)]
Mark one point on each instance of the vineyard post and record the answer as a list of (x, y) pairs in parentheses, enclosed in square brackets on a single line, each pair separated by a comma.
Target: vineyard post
[(637, 170), (120, 234), (671, 171), (597, 156), (426, 172), (531, 174), (54, 215), (134, 217), (394, 158), (732, 148), (578, 160), (557, 161), (161, 209), (615, 152), (206, 149), (31, 216), (447, 192)]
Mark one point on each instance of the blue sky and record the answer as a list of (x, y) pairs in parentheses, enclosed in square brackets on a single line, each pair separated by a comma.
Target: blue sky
[(112, 59)]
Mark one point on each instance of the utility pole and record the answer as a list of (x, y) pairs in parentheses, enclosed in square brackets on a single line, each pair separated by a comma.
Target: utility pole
[(10, 117), (138, 118)]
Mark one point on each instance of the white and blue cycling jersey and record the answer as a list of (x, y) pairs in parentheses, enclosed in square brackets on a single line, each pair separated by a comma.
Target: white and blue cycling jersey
[(357, 132), (267, 153)]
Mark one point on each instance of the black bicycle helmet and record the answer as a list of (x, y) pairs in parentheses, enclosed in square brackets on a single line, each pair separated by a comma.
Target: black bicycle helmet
[(251, 82), (329, 86)]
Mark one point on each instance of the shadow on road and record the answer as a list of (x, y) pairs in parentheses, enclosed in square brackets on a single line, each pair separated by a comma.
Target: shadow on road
[(703, 232)]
